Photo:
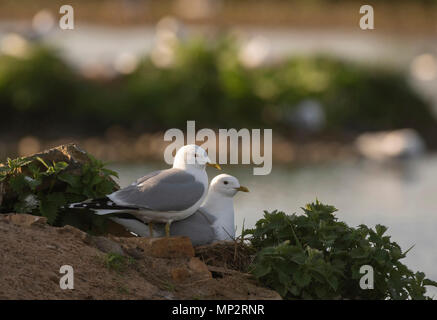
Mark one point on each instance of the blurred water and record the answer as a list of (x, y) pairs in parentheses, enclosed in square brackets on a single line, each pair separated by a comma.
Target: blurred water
[(402, 197)]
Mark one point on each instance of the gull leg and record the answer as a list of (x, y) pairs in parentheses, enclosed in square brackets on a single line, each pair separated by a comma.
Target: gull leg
[(167, 229), (151, 229)]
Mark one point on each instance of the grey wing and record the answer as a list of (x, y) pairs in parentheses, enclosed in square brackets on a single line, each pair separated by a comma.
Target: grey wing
[(166, 190), (146, 177), (197, 227)]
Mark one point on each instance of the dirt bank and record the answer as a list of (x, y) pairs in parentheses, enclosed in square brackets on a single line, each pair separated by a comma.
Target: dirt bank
[(32, 253)]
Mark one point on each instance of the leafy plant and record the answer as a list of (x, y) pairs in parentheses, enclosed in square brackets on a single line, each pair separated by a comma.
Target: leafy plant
[(117, 262), (42, 188), (315, 256)]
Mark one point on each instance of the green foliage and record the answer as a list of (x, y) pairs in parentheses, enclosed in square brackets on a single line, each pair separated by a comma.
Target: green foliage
[(207, 82), (39, 88), (117, 262), (40, 188), (315, 256)]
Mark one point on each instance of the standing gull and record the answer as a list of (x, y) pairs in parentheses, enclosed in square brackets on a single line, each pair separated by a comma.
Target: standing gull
[(213, 221), (161, 196)]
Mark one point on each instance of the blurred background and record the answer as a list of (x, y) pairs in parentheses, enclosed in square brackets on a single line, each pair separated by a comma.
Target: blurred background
[(353, 111)]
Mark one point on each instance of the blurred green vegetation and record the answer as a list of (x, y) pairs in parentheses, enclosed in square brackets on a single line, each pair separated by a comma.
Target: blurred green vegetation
[(207, 83)]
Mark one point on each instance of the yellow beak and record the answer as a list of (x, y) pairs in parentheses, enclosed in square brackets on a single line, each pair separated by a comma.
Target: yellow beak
[(243, 189), (214, 165)]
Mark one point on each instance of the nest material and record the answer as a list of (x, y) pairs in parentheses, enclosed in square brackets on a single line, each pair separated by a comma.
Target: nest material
[(235, 255)]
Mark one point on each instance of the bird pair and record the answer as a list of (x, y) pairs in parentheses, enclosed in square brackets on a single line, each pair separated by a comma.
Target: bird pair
[(175, 195)]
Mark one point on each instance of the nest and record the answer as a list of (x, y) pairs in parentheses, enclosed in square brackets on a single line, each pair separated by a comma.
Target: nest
[(235, 255)]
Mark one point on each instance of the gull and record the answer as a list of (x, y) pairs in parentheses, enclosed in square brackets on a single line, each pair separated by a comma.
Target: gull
[(213, 221), (161, 196)]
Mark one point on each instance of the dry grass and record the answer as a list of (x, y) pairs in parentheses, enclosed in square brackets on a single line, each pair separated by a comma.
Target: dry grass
[(236, 255)]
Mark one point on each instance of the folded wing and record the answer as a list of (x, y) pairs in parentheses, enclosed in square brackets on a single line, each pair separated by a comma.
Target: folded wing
[(166, 190)]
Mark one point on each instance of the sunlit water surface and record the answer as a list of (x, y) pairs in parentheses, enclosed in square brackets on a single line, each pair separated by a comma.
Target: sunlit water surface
[(402, 197)]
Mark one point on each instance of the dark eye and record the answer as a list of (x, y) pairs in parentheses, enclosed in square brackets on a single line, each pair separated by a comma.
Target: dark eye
[(225, 182)]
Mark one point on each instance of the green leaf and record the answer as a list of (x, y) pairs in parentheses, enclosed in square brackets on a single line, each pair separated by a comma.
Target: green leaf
[(261, 270), (323, 256), (380, 229), (17, 183), (301, 278), (50, 205), (428, 282), (61, 165), (96, 180), (333, 282), (109, 172), (42, 161), (73, 180), (33, 183), (4, 170)]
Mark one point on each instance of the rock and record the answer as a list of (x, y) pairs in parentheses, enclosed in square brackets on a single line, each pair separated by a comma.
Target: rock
[(180, 274), (172, 247), (107, 245), (193, 270), (70, 229), (69, 153), (26, 220), (197, 266), (51, 246), (135, 253)]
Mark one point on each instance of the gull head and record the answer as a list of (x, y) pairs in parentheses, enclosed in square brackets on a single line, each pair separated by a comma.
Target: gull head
[(192, 157), (226, 185)]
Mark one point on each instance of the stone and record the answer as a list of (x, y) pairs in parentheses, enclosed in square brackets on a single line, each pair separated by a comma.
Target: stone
[(69, 153), (134, 252), (106, 245), (180, 274), (199, 267), (192, 270), (72, 230), (26, 220), (172, 247)]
